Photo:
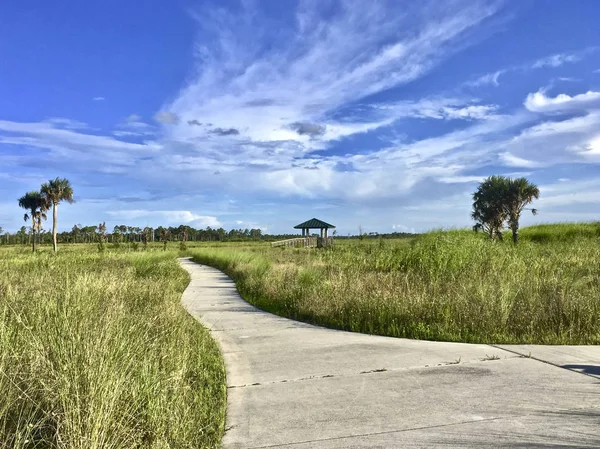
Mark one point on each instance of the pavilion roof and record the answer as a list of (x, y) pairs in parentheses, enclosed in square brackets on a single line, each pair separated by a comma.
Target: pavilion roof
[(314, 223)]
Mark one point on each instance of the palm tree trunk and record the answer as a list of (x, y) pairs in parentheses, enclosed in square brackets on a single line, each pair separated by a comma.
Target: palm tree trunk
[(515, 233), (54, 220), (33, 234)]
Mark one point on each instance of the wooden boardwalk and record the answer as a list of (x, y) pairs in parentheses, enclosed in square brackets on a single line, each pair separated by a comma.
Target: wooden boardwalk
[(304, 242)]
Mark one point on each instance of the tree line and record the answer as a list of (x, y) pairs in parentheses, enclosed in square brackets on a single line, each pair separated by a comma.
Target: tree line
[(37, 203), (133, 234)]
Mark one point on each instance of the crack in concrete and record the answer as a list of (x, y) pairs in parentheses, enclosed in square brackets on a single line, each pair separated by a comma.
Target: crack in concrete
[(410, 429), (523, 356), (386, 432), (251, 328), (373, 371)]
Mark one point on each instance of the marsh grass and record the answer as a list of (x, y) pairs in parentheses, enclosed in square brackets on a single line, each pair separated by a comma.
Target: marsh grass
[(453, 285), (96, 352)]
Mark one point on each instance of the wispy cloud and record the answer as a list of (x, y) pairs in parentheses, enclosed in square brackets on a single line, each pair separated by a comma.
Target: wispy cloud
[(317, 70), (66, 123), (98, 98), (550, 61), (84, 151), (514, 161), (487, 79), (557, 60)]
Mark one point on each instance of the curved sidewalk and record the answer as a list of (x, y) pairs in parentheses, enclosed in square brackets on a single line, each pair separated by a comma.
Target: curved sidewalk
[(293, 385)]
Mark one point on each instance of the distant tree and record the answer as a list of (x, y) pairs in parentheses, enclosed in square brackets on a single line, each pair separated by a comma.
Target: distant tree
[(182, 245), (89, 233), (22, 233), (489, 212), (101, 236), (75, 233), (117, 236), (36, 205), (146, 236), (164, 237), (519, 193), (55, 191)]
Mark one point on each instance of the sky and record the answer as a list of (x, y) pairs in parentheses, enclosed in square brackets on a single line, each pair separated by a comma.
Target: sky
[(266, 113)]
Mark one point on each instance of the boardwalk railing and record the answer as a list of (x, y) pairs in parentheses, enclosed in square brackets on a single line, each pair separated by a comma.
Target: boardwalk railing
[(304, 242)]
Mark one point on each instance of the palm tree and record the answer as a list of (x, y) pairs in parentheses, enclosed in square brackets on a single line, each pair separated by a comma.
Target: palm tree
[(57, 190), (37, 206), (520, 193), (489, 200)]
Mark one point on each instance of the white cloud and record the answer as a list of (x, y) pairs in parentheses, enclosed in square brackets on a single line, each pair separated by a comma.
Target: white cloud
[(133, 125), (98, 98), (460, 179), (553, 197), (487, 79), (557, 60), (127, 133), (133, 118), (403, 228), (168, 217), (590, 149), (539, 102), (166, 117), (251, 225), (514, 161), (554, 142), (470, 112), (66, 123)]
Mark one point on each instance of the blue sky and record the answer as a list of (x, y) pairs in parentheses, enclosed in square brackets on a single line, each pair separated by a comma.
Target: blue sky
[(267, 113)]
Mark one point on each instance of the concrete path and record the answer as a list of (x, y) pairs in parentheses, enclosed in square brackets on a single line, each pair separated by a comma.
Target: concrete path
[(292, 385)]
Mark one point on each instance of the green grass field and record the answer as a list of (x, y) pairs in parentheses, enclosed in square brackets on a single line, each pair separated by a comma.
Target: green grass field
[(97, 352), (452, 285)]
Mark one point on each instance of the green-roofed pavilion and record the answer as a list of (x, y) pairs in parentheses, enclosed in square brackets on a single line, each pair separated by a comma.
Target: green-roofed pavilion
[(314, 223)]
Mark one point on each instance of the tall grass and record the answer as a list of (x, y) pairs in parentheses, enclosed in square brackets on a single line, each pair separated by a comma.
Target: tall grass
[(454, 286), (96, 352)]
